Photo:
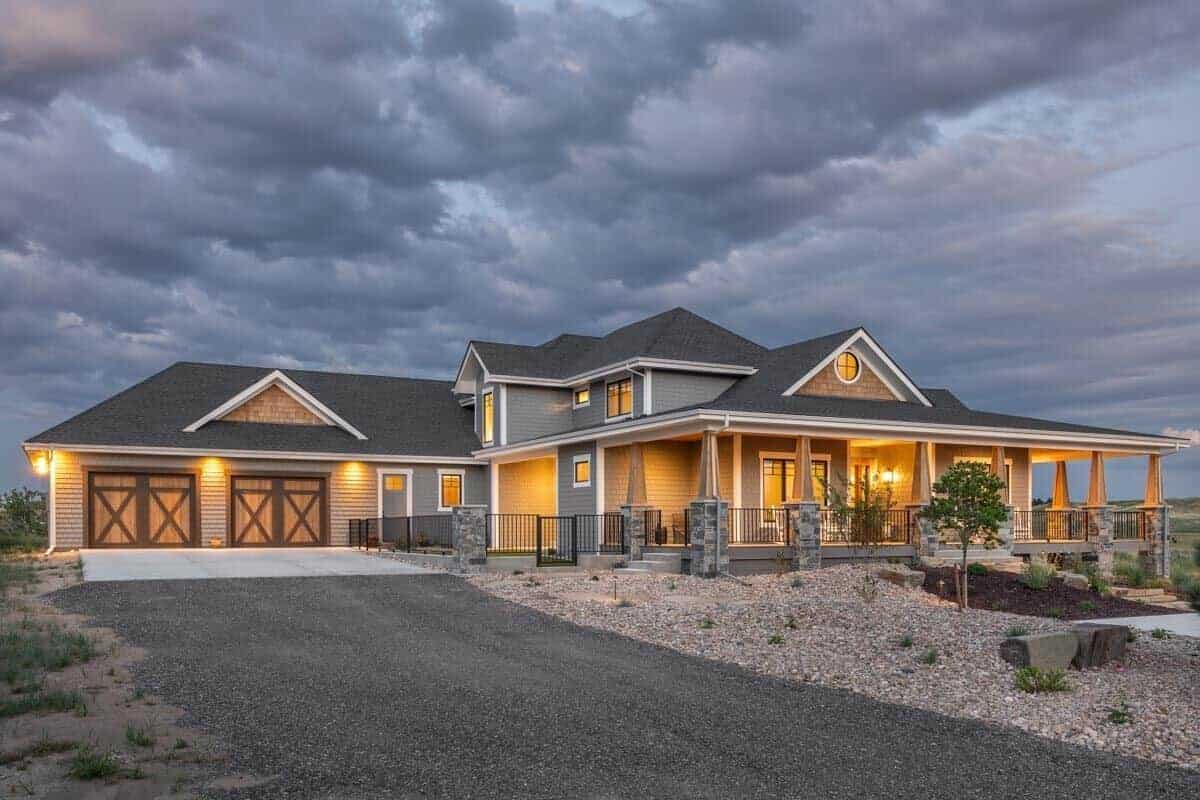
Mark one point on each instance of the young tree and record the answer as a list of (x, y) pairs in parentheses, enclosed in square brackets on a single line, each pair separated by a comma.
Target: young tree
[(862, 517), (968, 500)]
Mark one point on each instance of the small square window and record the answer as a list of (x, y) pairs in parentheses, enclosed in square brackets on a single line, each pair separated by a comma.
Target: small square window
[(394, 483), (583, 471), (583, 397)]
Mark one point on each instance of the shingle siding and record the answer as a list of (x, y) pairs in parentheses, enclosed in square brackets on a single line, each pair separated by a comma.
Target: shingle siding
[(670, 390), (570, 499)]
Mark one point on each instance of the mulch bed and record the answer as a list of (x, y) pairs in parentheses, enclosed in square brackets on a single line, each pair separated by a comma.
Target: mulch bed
[(1001, 591)]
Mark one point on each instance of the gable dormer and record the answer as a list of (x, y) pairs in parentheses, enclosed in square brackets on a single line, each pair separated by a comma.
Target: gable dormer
[(276, 399), (858, 368)]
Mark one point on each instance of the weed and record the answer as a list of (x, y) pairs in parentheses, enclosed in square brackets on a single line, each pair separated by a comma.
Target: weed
[(977, 570), (15, 574), (906, 641), (139, 693), (1121, 715), (42, 702), (1015, 631), (1128, 570), (1036, 575), (1131, 636), (180, 744), (707, 623), (1087, 606), (930, 656), (1037, 681), (671, 586), (791, 623), (42, 747), (88, 765), (775, 639), (138, 736), (28, 648), (1160, 633)]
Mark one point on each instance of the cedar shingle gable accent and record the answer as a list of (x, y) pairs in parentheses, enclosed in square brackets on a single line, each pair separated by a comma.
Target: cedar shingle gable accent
[(276, 406), (826, 383)]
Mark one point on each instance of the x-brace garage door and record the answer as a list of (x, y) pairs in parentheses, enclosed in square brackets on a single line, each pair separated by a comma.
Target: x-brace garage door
[(277, 512)]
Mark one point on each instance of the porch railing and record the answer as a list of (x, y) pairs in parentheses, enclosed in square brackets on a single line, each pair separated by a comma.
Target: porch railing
[(600, 533), (867, 528), (1130, 525), (666, 528), (759, 526), (1050, 525), (406, 534), (512, 534)]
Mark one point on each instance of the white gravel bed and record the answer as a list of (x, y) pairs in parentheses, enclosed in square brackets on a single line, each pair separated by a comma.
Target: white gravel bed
[(840, 640)]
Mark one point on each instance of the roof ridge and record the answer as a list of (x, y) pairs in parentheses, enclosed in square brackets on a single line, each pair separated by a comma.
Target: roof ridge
[(302, 370)]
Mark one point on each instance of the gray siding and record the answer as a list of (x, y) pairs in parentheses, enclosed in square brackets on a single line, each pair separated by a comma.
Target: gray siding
[(535, 411), (570, 499), (670, 390), (425, 486), (593, 413)]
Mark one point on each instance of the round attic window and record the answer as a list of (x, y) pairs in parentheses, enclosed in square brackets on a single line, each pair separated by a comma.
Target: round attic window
[(848, 368)]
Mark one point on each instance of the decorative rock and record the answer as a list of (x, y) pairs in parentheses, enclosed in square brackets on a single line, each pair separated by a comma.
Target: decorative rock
[(1041, 650), (1075, 580), (901, 576), (1099, 644)]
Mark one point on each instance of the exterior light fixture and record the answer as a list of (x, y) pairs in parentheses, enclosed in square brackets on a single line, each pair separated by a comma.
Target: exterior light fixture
[(890, 476), (41, 460)]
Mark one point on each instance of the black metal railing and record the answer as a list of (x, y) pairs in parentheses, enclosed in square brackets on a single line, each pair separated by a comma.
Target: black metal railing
[(600, 533), (1050, 525), (759, 526), (556, 543), (427, 531), (512, 534), (432, 532), (866, 527), (1130, 525), (666, 528)]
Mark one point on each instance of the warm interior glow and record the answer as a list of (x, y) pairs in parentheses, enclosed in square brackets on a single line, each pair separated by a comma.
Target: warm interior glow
[(891, 475)]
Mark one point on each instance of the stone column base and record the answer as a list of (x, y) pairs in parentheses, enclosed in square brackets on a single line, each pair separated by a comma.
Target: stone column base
[(635, 530), (805, 535), (708, 532), (469, 529), (1158, 539), (1100, 533)]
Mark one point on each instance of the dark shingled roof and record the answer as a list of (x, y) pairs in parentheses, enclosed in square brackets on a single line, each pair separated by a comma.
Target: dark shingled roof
[(676, 334), (399, 416)]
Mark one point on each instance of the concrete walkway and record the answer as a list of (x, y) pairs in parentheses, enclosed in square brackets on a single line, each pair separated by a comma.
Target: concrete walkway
[(1179, 624), (267, 562)]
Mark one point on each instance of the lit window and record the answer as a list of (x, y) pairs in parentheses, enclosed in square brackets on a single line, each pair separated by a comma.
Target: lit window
[(451, 490), (394, 483), (847, 367), (583, 471), (583, 397), (779, 481), (489, 418), (620, 398)]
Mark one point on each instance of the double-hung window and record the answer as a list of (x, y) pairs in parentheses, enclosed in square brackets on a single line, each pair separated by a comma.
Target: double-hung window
[(620, 398), (450, 489)]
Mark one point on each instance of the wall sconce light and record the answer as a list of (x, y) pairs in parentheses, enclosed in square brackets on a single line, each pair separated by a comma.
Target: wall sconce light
[(890, 476), (41, 460)]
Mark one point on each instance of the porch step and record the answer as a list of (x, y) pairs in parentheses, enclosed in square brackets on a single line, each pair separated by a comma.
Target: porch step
[(653, 562), (673, 558), (1154, 597)]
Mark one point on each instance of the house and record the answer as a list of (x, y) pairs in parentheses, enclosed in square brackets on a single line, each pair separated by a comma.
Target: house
[(587, 444)]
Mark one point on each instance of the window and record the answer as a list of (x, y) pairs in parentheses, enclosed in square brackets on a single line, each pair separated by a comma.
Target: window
[(394, 483), (620, 398), (583, 471), (583, 397), (848, 367), (779, 481), (450, 488), (489, 417)]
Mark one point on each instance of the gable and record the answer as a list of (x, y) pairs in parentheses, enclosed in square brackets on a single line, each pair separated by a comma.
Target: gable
[(273, 405), (826, 383)]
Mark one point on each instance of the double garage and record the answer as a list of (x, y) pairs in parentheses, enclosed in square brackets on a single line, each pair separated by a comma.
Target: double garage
[(161, 509)]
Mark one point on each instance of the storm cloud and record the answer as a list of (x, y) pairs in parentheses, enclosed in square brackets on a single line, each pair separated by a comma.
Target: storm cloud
[(366, 185)]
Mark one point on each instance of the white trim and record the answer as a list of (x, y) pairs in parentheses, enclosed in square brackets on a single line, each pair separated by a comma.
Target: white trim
[(494, 487), (575, 461), (52, 499), (619, 417), (282, 455), (471, 351), (842, 427), (619, 366), (858, 371), (737, 470), (462, 487), (383, 472), (490, 392), (862, 336), (293, 390), (647, 404), (503, 410), (575, 390), (763, 455), (598, 478)]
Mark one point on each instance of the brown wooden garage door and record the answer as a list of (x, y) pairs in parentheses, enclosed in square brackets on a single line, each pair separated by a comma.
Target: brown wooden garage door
[(142, 510), (277, 512)]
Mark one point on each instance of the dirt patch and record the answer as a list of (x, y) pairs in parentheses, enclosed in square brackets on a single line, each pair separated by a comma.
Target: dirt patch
[(1003, 591), (139, 740)]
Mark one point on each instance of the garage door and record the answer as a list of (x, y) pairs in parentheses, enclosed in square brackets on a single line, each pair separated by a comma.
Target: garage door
[(141, 510), (277, 512)]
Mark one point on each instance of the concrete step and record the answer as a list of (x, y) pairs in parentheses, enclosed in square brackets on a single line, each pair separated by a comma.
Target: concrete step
[(673, 558), (652, 565), (635, 570)]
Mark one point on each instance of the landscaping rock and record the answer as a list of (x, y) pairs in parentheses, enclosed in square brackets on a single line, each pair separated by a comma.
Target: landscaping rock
[(1041, 650), (901, 576), (1075, 580), (1099, 644)]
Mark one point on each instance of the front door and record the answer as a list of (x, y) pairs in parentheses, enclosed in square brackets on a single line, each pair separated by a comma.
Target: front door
[(397, 488)]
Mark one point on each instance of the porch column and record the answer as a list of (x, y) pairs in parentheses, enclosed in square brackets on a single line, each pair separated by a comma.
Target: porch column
[(1100, 515), (708, 515), (1158, 519), (1005, 534), (804, 512), (1062, 492), (469, 532), (636, 504), (922, 491)]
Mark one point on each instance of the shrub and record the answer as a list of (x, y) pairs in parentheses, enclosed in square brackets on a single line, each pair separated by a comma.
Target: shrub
[(138, 736), (1087, 606), (1160, 633), (45, 702), (1015, 631), (1096, 580), (977, 570), (707, 623), (929, 657), (1132, 636), (88, 765), (1037, 681), (1037, 575), (1120, 715), (1193, 596), (1128, 570), (906, 641)]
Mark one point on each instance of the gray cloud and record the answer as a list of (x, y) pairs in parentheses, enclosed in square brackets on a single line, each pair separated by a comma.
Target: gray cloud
[(365, 185)]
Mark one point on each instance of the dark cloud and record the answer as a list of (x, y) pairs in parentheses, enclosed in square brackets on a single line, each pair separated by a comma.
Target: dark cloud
[(365, 185)]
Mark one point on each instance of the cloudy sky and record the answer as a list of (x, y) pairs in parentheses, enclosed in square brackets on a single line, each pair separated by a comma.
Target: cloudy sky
[(1005, 196)]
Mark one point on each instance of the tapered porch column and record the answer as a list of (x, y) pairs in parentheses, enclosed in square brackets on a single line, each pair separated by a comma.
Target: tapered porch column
[(1062, 492), (1100, 514), (708, 515), (1005, 534), (1158, 519), (922, 491), (636, 503), (804, 512)]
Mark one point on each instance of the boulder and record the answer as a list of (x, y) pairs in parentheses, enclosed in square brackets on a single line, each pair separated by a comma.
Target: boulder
[(1075, 580), (1041, 650), (1099, 643), (901, 576)]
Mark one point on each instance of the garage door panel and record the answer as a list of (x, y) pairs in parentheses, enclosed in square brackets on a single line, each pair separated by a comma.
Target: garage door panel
[(141, 510), (278, 512), (170, 510)]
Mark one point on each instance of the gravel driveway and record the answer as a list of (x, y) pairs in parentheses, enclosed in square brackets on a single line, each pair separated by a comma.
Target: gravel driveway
[(423, 686)]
